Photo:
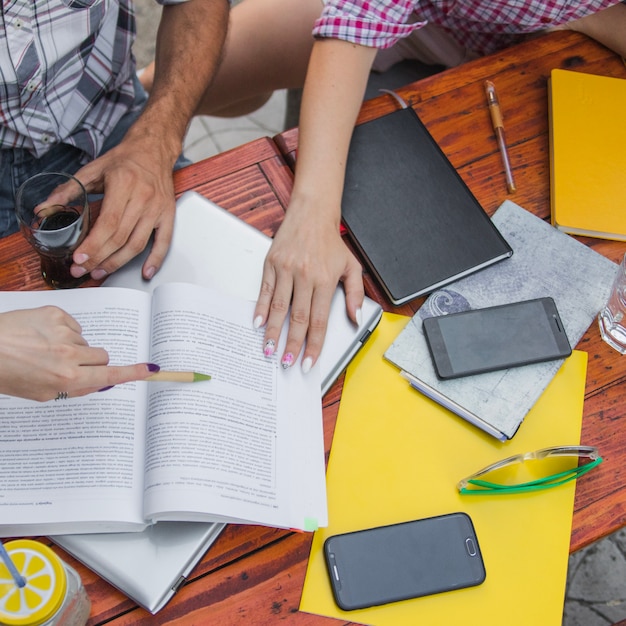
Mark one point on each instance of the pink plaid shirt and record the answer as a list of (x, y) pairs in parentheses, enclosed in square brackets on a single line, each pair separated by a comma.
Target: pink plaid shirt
[(482, 26)]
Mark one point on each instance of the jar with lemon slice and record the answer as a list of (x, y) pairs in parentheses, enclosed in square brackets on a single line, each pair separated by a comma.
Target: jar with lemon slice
[(53, 594)]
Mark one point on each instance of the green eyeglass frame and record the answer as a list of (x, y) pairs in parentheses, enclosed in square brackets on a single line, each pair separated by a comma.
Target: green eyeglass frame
[(473, 485)]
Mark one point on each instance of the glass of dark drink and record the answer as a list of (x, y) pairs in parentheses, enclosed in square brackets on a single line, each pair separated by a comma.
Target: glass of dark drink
[(53, 213)]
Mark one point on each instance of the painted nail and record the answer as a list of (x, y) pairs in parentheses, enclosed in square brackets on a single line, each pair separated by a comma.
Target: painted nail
[(153, 367), (150, 272), (306, 365), (106, 388), (258, 321), (287, 361), (359, 316), (270, 347), (81, 258)]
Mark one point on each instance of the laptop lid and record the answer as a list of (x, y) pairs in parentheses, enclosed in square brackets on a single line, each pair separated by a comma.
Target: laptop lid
[(212, 247), (149, 566)]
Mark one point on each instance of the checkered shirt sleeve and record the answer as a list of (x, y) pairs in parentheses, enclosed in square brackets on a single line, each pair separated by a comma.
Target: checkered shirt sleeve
[(375, 23), (483, 26)]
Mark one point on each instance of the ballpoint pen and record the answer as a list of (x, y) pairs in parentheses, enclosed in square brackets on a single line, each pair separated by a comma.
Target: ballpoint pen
[(178, 377), (498, 127)]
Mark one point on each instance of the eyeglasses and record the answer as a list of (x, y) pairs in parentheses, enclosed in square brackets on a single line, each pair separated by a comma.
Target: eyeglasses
[(541, 469)]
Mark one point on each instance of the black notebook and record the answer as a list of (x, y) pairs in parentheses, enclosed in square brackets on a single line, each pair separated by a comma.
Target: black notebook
[(415, 222)]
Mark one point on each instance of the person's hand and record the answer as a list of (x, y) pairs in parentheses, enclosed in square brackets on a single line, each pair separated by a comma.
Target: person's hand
[(136, 180), (305, 263), (136, 176), (43, 353)]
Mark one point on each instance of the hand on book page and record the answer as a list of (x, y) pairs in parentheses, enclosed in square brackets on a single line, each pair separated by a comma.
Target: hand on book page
[(44, 356), (223, 450)]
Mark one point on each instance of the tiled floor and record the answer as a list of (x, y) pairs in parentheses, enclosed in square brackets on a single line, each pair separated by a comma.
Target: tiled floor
[(596, 586), (210, 135)]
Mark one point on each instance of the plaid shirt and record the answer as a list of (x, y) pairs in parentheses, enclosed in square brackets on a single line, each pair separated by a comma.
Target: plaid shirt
[(482, 26), (66, 68)]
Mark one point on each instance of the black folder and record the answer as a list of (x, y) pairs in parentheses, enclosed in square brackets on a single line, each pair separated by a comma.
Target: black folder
[(414, 220)]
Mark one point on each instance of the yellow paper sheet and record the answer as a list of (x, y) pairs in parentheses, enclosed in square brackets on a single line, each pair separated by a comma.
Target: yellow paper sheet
[(397, 456)]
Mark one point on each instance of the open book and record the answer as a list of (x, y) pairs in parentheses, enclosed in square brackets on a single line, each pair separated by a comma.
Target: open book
[(246, 446)]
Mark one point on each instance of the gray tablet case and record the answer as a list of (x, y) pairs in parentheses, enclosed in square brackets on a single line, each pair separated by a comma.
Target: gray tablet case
[(414, 220), (546, 262), (211, 247)]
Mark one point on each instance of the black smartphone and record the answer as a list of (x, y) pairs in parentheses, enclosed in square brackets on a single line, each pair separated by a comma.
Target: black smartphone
[(401, 561), (498, 337)]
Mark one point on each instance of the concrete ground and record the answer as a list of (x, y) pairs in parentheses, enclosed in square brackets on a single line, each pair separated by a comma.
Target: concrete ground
[(596, 583)]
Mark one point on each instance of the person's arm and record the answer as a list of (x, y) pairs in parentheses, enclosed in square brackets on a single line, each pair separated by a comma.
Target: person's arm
[(308, 258), (607, 26), (42, 353), (136, 176)]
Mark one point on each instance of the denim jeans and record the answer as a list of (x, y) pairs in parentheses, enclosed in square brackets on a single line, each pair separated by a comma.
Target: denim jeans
[(16, 165)]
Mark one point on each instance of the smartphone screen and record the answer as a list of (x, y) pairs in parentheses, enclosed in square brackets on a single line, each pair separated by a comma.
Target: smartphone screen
[(499, 337), (401, 561)]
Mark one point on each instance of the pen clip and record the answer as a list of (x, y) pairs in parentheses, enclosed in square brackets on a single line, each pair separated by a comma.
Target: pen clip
[(494, 105), (490, 90)]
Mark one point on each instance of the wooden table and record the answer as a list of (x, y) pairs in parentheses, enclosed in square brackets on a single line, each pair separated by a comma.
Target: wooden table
[(453, 107), (254, 575)]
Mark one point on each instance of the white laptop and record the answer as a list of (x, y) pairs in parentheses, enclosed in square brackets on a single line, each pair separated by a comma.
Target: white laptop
[(210, 247)]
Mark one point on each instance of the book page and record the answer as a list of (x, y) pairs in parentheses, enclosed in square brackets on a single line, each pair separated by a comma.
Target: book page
[(76, 465), (246, 445)]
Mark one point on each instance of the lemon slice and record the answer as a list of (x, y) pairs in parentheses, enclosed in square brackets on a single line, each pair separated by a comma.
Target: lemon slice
[(45, 587)]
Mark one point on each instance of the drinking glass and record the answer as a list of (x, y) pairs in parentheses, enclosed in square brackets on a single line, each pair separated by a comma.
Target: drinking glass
[(612, 318), (53, 213)]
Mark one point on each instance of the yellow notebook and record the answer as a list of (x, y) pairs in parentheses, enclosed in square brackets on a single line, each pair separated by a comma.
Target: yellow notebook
[(588, 159), (397, 456)]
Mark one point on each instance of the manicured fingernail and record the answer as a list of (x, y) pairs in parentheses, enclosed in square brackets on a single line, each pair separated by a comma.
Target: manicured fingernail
[(287, 361), (81, 258), (77, 271), (306, 365), (153, 367), (106, 388), (359, 316), (149, 272), (98, 274), (258, 321), (270, 347)]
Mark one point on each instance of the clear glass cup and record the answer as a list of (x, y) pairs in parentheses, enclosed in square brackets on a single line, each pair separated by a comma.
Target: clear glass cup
[(612, 318), (53, 213)]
